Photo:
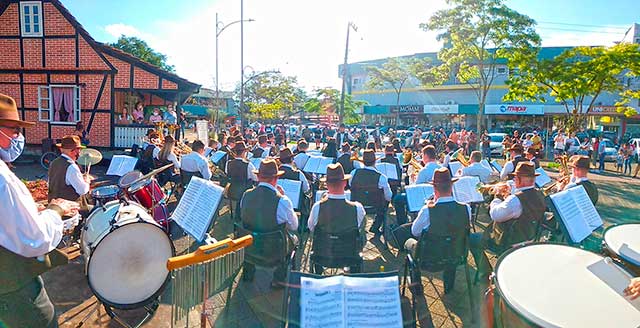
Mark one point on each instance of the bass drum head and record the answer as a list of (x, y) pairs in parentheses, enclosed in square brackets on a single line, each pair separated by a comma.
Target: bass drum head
[(128, 267)]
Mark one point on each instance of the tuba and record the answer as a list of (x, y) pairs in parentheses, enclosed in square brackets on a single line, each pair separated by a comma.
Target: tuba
[(565, 176)]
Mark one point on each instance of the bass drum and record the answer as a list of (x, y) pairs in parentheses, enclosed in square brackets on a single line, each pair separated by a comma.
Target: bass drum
[(126, 254)]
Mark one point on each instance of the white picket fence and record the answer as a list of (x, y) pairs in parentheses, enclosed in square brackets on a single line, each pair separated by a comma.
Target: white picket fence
[(125, 137)]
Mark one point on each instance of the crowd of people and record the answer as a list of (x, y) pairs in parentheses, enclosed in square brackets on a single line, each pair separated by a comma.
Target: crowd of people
[(352, 187)]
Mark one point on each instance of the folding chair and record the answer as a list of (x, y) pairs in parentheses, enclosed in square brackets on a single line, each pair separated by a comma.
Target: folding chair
[(336, 250), (435, 253)]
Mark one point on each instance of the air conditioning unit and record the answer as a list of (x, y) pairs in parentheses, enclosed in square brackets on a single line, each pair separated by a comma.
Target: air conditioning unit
[(450, 102)]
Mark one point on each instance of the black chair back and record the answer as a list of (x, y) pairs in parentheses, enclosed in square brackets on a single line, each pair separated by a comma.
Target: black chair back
[(337, 249), (185, 177), (368, 195), (436, 252), (269, 249)]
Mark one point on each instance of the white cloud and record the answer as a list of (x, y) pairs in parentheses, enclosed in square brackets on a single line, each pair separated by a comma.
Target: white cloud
[(605, 36)]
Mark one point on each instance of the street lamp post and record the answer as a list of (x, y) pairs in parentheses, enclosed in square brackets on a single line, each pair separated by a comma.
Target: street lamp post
[(220, 27), (350, 26)]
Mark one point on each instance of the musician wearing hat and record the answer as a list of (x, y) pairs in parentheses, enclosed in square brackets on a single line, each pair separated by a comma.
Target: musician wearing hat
[(515, 153), (523, 207), (27, 235), (390, 158), (442, 216), (265, 208), (334, 214), (301, 158), (531, 155), (345, 158), (262, 150), (371, 188), (450, 147), (579, 165), (65, 178), (292, 173), (241, 173)]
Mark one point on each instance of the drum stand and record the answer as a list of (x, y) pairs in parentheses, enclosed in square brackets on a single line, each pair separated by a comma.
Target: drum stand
[(149, 308)]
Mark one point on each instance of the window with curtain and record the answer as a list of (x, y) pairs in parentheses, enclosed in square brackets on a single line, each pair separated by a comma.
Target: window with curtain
[(59, 104)]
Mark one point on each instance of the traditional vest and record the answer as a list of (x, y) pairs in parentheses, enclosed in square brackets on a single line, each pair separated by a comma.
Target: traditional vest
[(290, 173), (337, 215), (260, 215), (517, 160), (16, 271), (592, 190), (364, 188), (186, 176), (58, 187), (393, 160), (238, 179), (257, 152), (346, 162), (146, 159), (342, 138), (448, 219), (533, 208)]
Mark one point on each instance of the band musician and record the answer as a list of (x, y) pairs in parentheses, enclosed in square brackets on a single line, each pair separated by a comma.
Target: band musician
[(262, 150), (475, 168), (241, 174), (265, 208), (346, 159), (511, 215), (194, 163), (334, 214), (292, 173), (450, 148), (532, 156), (66, 181), (390, 157), (579, 165), (441, 216), (371, 188), (343, 136), (425, 175), (27, 235), (301, 158), (515, 154)]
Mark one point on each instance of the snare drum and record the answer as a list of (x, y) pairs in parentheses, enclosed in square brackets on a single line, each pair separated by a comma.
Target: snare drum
[(105, 194), (126, 254), (147, 192), (549, 285), (126, 180), (622, 242)]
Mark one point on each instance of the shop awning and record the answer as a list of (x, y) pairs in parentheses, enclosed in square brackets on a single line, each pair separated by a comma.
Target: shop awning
[(379, 109)]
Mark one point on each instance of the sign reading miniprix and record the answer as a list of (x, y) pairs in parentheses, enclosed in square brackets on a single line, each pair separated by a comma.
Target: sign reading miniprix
[(514, 109), (441, 109)]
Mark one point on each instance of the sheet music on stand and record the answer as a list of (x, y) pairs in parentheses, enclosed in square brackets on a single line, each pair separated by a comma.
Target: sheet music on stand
[(202, 131), (465, 190), (343, 301), (291, 190), (577, 212), (217, 156), (321, 193), (454, 167), (417, 195), (496, 166), (388, 170), (317, 165), (256, 162), (198, 207), (121, 165), (543, 178)]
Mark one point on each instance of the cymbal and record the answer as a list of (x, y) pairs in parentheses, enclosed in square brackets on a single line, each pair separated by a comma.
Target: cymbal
[(89, 156), (151, 174)]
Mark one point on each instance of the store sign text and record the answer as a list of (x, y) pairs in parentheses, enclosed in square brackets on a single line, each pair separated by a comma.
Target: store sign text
[(441, 109), (514, 109)]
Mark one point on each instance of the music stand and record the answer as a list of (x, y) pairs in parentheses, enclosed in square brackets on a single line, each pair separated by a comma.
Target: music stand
[(291, 296)]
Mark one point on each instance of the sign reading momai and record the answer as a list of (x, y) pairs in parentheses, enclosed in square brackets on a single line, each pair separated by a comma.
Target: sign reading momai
[(441, 109), (407, 109), (514, 109)]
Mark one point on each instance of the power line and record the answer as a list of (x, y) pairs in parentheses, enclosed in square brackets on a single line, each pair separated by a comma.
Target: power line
[(576, 30), (586, 25)]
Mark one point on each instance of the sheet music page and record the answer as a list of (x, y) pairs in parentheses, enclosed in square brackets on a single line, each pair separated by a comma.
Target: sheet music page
[(197, 207), (454, 167), (589, 212), (217, 156), (543, 178), (291, 190), (417, 195), (321, 193), (256, 162), (121, 165), (324, 163), (379, 156), (496, 166), (312, 164), (571, 215), (486, 164), (372, 302), (388, 169), (465, 190), (321, 302)]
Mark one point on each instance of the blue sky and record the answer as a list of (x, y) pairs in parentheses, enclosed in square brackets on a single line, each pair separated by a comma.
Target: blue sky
[(305, 38)]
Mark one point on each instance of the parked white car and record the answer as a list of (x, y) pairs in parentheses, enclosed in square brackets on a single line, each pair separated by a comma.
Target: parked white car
[(495, 144)]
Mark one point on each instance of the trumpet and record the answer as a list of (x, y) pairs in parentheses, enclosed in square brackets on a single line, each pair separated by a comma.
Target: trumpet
[(500, 189), (409, 159), (564, 177), (181, 148)]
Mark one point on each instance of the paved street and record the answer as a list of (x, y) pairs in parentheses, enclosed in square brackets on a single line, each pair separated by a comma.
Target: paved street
[(257, 305)]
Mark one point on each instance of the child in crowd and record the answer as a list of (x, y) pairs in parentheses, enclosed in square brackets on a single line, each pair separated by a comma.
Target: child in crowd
[(619, 161)]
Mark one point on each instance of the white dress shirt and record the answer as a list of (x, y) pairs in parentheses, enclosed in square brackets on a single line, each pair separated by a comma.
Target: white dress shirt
[(301, 177), (446, 160), (194, 162), (508, 168), (477, 170), (73, 177), (340, 139), (171, 158), (505, 210), (24, 230), (284, 212), (383, 183), (301, 160), (426, 173), (574, 182), (266, 151), (315, 210), (423, 221)]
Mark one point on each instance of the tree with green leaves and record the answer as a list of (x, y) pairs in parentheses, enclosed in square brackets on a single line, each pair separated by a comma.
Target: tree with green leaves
[(394, 73), (575, 78), (271, 95), (141, 50), (477, 35), (326, 101)]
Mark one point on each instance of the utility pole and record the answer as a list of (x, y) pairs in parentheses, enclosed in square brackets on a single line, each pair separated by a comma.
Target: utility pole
[(242, 66), (344, 70)]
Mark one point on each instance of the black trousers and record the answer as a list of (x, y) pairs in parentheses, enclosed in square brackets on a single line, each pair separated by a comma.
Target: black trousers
[(28, 307)]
